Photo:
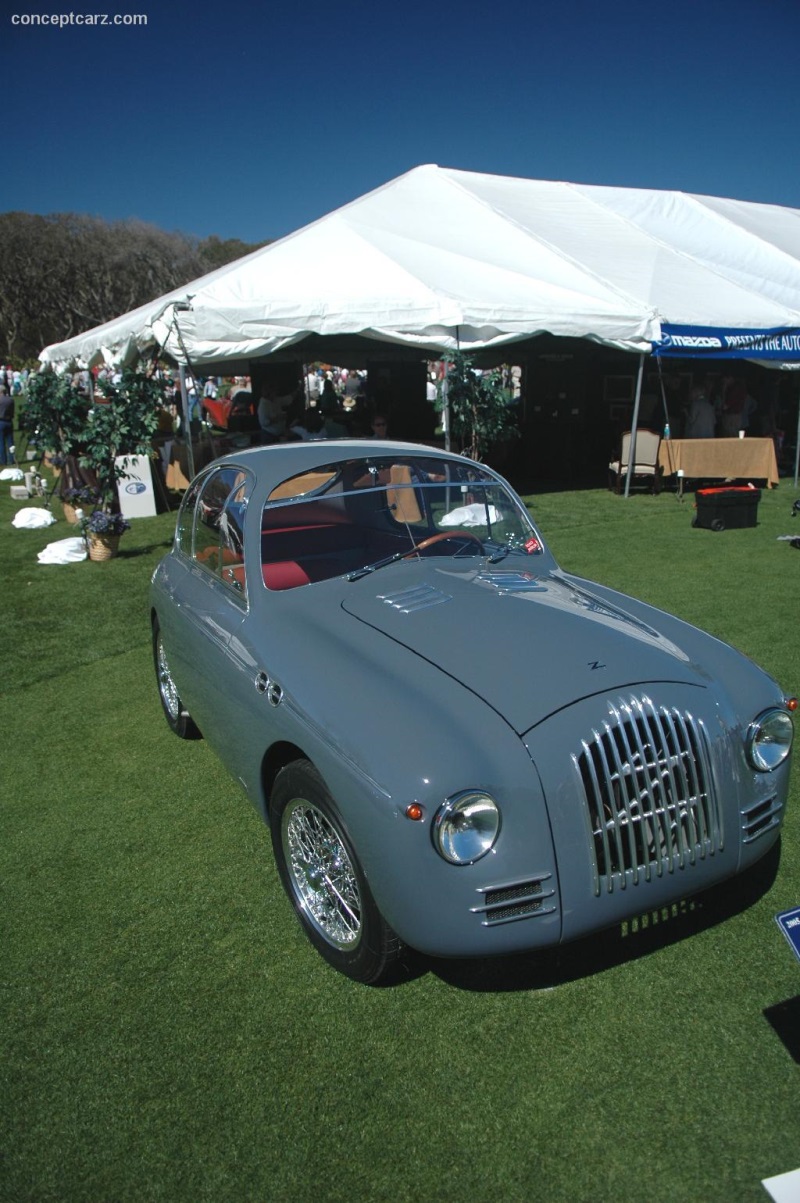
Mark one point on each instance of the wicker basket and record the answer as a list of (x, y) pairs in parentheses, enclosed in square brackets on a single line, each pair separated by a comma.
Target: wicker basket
[(103, 547)]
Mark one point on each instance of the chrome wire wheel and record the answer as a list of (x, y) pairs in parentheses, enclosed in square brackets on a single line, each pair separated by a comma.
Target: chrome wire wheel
[(322, 875), (320, 871), (166, 685)]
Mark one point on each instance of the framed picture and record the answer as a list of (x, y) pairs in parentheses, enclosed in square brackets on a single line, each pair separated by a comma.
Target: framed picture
[(620, 412), (675, 384), (618, 388)]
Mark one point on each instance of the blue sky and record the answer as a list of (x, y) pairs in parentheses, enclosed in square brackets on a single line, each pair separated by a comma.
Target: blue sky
[(249, 120)]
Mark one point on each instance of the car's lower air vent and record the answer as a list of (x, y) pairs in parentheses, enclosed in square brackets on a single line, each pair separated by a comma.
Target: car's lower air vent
[(508, 901), (760, 817)]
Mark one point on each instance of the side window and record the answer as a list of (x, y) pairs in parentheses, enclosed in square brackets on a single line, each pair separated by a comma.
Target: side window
[(185, 524), (232, 539), (219, 526)]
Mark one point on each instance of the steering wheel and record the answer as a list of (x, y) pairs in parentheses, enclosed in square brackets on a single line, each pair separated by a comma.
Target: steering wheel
[(440, 537)]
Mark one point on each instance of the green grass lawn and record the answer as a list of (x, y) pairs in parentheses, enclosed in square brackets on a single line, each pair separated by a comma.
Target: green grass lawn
[(168, 1033)]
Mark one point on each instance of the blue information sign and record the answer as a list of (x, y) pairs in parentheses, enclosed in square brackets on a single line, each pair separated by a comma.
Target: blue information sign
[(789, 923)]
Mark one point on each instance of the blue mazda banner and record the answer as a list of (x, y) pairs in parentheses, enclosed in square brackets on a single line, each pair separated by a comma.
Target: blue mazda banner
[(718, 342)]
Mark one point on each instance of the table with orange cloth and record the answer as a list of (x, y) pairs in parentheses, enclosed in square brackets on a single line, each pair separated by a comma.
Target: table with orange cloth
[(178, 472), (720, 459)]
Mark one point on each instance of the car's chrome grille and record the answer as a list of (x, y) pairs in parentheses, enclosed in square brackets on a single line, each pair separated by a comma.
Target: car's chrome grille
[(649, 794), (760, 817), (505, 902)]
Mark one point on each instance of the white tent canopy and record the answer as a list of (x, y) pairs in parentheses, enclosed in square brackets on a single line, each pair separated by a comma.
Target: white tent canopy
[(439, 258)]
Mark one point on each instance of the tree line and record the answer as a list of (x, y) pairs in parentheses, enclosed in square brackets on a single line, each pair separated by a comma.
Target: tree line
[(66, 272)]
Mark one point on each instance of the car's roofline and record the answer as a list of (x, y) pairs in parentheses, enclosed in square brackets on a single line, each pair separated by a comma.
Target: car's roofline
[(313, 449), (279, 461)]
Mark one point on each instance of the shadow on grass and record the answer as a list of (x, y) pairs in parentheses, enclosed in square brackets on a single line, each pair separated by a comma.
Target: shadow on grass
[(784, 1019), (605, 950), (134, 552)]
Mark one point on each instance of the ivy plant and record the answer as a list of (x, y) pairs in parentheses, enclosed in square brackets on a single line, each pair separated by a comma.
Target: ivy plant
[(481, 413), (55, 413), (121, 423)]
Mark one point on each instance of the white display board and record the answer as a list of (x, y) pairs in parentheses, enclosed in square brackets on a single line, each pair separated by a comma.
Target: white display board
[(137, 498)]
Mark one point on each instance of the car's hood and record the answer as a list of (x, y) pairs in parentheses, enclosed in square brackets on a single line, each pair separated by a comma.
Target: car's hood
[(527, 645)]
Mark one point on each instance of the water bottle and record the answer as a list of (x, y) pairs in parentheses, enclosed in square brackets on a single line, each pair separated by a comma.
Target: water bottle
[(666, 430)]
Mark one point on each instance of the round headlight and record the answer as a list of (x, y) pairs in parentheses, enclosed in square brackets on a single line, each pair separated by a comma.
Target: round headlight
[(769, 740), (465, 827)]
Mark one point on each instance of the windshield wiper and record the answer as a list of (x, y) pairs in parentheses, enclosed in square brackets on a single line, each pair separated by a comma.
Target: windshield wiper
[(357, 573)]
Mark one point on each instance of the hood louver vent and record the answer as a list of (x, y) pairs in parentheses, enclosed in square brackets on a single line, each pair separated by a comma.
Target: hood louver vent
[(420, 597), (511, 582)]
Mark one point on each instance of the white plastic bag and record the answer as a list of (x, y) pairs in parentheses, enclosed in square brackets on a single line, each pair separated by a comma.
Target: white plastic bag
[(65, 551), (12, 474), (470, 515), (32, 518)]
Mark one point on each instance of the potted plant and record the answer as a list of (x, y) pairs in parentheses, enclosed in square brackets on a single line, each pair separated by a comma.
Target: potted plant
[(120, 424), (74, 498), (102, 531)]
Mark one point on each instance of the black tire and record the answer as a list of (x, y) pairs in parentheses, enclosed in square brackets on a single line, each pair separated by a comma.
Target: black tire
[(322, 876), (717, 524), (176, 714)]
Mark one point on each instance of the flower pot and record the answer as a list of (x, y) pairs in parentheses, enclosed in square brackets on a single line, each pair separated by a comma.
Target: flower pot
[(103, 547)]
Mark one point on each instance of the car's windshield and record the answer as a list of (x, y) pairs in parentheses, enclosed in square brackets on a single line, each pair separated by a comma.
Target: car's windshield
[(345, 518)]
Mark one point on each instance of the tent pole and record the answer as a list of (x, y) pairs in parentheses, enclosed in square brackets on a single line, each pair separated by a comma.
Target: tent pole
[(634, 425), (796, 446), (184, 307), (446, 396), (445, 408), (187, 426)]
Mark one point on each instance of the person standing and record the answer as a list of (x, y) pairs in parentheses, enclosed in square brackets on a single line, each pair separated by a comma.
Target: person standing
[(312, 387), (733, 408), (701, 419), (6, 426)]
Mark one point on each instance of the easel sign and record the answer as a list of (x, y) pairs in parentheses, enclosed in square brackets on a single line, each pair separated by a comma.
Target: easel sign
[(137, 498), (789, 923)]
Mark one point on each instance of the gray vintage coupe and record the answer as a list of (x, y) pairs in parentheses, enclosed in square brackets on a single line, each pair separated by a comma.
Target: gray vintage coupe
[(457, 746)]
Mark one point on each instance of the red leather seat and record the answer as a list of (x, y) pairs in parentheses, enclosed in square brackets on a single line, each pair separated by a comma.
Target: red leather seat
[(284, 574)]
